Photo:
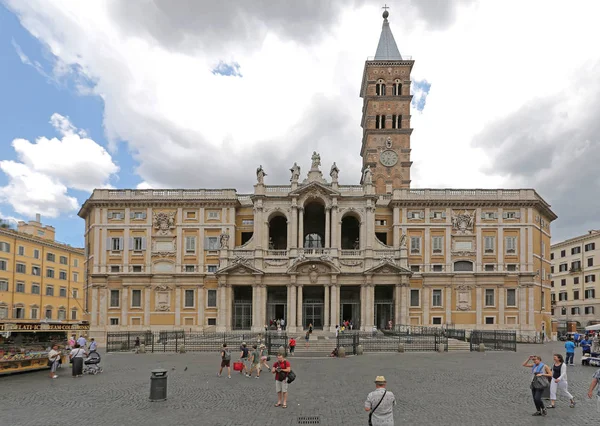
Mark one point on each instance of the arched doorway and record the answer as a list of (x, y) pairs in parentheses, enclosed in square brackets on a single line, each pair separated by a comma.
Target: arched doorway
[(278, 233), (350, 233), (314, 225)]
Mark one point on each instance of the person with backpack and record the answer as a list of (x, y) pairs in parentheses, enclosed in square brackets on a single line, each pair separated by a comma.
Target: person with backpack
[(244, 352), (225, 361), (380, 404), (281, 369)]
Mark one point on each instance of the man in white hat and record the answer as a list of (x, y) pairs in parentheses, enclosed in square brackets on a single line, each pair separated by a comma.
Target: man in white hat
[(380, 404)]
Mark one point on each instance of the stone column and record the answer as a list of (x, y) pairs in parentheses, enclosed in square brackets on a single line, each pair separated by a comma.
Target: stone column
[(479, 304), (334, 227), (500, 246), (221, 309), (426, 248), (299, 311), (326, 308), (177, 306), (531, 307), (201, 303), (405, 302), (293, 237), (327, 226), (94, 319), (397, 231), (229, 298), (426, 300), (501, 301), (334, 301), (126, 247), (363, 307), (124, 306), (370, 305), (255, 309), (291, 308), (103, 306), (397, 304), (300, 227), (147, 297)]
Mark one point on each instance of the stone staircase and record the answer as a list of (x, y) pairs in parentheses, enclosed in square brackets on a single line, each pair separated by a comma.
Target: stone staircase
[(458, 346), (321, 344)]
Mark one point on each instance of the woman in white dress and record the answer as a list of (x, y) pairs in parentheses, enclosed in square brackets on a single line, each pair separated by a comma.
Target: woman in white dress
[(559, 380)]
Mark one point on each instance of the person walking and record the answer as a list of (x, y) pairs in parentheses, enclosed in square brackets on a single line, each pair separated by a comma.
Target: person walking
[(310, 328), (570, 349), (283, 324), (255, 361), (576, 339), (595, 382), (306, 339), (244, 358), (81, 341), (541, 374), (280, 369), (71, 343), (292, 345), (77, 354), (225, 361), (93, 345), (559, 380), (380, 404), (53, 360), (264, 357)]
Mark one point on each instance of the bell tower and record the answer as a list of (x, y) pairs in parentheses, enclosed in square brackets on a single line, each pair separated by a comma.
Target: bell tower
[(385, 90)]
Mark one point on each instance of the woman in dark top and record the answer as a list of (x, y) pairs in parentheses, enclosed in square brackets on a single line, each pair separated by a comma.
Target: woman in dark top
[(559, 380), (77, 354)]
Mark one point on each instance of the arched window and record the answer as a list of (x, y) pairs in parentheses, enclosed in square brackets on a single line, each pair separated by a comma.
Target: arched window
[(380, 88), (463, 266), (74, 314), (48, 312), (396, 121), (19, 311), (313, 241), (3, 310), (62, 314), (397, 88), (380, 121)]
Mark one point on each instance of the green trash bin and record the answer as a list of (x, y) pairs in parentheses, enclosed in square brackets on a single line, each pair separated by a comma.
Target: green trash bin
[(158, 385)]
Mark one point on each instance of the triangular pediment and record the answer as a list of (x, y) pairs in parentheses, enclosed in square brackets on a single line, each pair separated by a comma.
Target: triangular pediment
[(241, 268), (387, 267), (316, 188)]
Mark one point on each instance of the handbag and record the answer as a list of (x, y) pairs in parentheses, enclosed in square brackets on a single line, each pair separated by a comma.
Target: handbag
[(238, 366), (373, 410), (539, 382), (291, 377)]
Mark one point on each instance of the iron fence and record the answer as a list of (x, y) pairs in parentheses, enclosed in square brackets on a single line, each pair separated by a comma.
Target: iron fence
[(525, 338), (390, 341), (494, 340), (452, 333), (174, 341)]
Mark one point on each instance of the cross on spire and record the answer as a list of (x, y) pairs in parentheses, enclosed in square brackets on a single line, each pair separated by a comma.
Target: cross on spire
[(385, 7)]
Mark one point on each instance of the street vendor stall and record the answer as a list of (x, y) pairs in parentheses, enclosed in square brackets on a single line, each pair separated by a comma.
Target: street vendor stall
[(25, 346)]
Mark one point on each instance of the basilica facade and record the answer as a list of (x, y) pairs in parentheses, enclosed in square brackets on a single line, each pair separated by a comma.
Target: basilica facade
[(316, 252)]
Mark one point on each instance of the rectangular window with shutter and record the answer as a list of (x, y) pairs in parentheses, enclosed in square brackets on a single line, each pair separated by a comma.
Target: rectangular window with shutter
[(139, 215), (138, 243), (189, 299), (489, 245), (511, 215), (211, 298), (116, 244), (415, 297), (510, 244), (211, 243), (489, 215), (415, 245), (190, 245), (136, 298), (437, 215), (438, 245), (5, 247)]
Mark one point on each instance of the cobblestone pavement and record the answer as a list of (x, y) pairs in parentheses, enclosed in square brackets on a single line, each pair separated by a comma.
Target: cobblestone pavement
[(442, 389)]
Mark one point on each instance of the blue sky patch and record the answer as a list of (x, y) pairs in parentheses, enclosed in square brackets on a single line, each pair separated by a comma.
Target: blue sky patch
[(420, 89), (231, 69)]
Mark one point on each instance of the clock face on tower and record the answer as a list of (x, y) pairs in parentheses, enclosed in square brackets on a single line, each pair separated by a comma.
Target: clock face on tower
[(388, 158)]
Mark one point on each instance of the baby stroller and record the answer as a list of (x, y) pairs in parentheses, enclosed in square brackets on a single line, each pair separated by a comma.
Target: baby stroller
[(91, 365)]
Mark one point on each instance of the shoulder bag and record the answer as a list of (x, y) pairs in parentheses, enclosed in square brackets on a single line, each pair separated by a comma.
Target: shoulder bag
[(539, 382), (373, 410)]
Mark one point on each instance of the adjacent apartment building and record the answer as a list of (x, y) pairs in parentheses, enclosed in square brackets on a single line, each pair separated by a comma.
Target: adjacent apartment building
[(313, 251), (576, 281), (41, 280)]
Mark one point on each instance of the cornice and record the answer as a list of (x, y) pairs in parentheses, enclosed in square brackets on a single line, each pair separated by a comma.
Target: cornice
[(48, 243)]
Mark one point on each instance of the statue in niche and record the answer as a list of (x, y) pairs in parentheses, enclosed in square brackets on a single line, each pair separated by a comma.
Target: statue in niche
[(260, 175), (334, 172), (295, 173), (357, 244), (224, 240), (316, 161), (368, 176)]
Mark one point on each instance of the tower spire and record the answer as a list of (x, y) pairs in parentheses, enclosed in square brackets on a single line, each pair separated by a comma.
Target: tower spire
[(387, 50)]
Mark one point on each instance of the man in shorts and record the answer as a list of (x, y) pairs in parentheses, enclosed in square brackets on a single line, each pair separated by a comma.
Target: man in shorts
[(225, 361), (255, 359), (280, 369)]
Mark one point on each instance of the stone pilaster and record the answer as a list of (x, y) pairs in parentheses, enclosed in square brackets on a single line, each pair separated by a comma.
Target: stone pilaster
[(256, 325), (522, 292), (291, 308), (147, 297), (178, 291), (500, 303), (327, 226), (426, 301), (448, 303), (299, 323), (327, 307), (300, 227), (370, 293), (124, 306), (478, 305), (293, 243), (363, 307), (94, 319), (201, 305), (335, 226), (397, 304), (397, 231), (103, 306), (531, 306)]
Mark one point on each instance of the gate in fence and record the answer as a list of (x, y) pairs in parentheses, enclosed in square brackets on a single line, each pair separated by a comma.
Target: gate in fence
[(494, 340)]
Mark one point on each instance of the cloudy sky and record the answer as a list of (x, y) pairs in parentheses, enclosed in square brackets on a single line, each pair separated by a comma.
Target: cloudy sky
[(188, 94)]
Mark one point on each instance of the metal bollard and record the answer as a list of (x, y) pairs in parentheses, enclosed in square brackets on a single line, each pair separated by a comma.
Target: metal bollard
[(158, 385)]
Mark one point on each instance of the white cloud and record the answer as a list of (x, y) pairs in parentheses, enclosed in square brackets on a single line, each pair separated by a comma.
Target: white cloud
[(48, 167), (144, 185), (187, 127), (30, 192)]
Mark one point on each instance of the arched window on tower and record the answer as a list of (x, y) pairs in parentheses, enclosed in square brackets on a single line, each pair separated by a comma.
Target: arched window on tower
[(396, 121), (380, 88), (397, 88), (380, 121)]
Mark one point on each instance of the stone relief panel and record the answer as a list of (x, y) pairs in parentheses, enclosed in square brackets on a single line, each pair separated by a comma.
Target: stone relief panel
[(463, 297), (162, 298), (163, 222), (462, 223)]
